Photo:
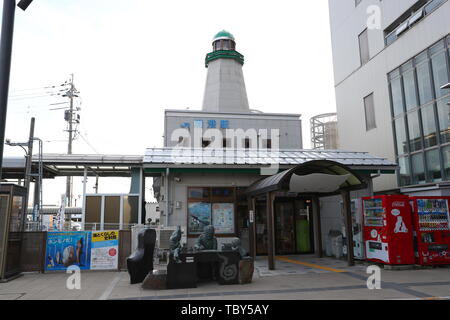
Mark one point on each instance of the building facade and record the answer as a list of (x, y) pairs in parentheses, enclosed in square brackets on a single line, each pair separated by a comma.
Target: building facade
[(391, 59), (212, 156)]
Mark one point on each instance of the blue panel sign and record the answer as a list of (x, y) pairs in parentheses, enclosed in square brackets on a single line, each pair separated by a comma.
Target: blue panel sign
[(65, 249)]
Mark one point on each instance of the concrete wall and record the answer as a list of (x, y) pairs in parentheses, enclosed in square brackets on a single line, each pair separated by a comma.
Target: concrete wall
[(331, 214), (289, 126), (354, 82)]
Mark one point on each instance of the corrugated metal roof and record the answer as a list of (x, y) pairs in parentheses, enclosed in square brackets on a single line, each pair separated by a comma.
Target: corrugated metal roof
[(245, 157)]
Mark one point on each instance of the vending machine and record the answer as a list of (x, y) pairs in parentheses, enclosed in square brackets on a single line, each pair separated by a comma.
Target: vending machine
[(432, 230), (357, 228), (388, 230)]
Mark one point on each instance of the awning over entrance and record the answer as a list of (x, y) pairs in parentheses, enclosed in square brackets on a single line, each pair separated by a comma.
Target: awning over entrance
[(315, 177), (319, 178)]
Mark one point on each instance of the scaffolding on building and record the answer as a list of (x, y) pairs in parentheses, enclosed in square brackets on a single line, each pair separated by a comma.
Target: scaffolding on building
[(324, 132)]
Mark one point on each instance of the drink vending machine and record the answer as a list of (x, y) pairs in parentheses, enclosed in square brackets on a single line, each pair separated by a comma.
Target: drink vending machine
[(432, 230), (388, 230)]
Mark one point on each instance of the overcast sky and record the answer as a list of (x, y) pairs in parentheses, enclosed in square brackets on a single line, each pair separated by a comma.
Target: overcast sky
[(132, 59)]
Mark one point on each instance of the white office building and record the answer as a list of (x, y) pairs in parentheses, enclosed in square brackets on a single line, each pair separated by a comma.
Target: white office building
[(391, 60)]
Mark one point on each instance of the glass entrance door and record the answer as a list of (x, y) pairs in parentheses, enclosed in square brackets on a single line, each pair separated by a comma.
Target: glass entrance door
[(261, 228), (284, 227)]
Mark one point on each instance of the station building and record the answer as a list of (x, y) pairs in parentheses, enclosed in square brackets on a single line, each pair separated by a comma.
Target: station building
[(243, 171), (246, 172)]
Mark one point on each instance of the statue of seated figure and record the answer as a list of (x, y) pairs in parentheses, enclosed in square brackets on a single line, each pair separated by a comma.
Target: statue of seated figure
[(207, 240)]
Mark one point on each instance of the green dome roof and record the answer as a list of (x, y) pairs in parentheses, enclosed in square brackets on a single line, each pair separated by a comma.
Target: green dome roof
[(224, 34)]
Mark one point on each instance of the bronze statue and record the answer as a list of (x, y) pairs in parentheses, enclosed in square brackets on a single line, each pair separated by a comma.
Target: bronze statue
[(236, 246), (207, 240), (175, 246)]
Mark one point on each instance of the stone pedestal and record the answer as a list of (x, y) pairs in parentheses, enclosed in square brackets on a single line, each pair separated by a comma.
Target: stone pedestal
[(246, 268), (155, 280)]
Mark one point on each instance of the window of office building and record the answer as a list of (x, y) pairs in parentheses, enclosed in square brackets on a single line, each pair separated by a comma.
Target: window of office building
[(434, 165), (364, 52), (405, 174), (415, 136), (369, 109), (446, 155), (440, 70), (409, 82), (424, 81), (421, 116), (400, 129), (397, 96), (429, 126), (418, 169), (444, 119)]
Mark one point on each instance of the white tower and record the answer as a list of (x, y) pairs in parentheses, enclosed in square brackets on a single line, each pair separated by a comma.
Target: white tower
[(225, 87)]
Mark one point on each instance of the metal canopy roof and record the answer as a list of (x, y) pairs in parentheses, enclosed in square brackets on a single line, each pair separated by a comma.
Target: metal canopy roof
[(73, 165), (283, 180), (98, 165), (14, 168), (247, 158)]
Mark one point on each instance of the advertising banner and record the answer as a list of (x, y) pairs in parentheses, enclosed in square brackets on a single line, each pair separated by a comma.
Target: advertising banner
[(105, 250), (65, 249)]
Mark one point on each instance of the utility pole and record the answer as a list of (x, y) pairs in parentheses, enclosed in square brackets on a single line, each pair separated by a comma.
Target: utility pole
[(71, 118), (29, 162), (9, 9)]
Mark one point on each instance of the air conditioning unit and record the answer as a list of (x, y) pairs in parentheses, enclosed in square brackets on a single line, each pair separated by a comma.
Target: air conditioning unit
[(164, 237)]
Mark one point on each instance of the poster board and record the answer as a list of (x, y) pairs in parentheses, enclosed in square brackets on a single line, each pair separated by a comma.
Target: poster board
[(65, 249), (85, 249), (223, 218), (105, 250), (199, 216)]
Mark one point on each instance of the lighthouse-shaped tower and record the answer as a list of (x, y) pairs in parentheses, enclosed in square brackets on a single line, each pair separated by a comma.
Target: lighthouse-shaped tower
[(225, 87)]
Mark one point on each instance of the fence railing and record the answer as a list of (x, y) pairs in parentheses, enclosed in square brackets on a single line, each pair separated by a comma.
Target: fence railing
[(33, 226)]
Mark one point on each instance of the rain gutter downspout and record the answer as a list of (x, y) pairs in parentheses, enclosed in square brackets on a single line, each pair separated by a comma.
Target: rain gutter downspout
[(167, 196)]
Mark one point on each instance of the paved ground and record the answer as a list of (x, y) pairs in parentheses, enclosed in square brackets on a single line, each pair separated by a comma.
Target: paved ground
[(296, 277)]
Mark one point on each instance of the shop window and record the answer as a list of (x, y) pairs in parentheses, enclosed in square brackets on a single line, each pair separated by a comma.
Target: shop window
[(418, 168), (415, 136), (434, 166), (397, 97), (400, 133), (429, 126), (211, 206), (444, 119)]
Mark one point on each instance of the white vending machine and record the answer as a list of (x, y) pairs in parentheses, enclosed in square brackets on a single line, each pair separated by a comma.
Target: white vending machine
[(357, 228)]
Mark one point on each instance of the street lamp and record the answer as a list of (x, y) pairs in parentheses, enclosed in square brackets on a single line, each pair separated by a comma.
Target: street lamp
[(9, 9), (446, 86)]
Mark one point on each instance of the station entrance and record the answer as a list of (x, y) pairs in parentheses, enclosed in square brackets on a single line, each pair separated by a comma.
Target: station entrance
[(293, 226)]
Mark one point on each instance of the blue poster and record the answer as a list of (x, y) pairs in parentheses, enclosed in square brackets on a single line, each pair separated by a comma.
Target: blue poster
[(199, 216), (65, 249)]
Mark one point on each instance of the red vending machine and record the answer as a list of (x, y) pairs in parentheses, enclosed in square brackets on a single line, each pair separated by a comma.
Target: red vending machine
[(432, 230), (388, 230)]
